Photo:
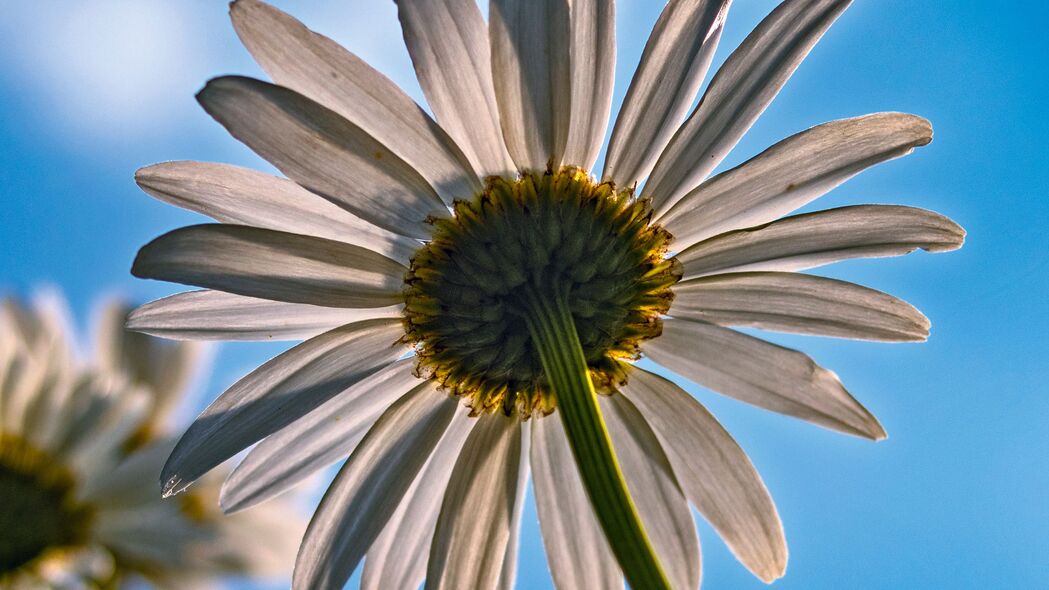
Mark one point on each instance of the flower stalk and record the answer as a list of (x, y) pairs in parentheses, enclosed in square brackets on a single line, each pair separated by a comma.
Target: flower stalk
[(554, 334)]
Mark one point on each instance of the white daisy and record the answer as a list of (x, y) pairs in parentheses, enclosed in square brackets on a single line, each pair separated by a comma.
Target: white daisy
[(470, 257), (79, 458)]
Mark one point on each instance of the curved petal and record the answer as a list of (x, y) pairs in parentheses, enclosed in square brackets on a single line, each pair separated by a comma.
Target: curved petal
[(673, 65), (397, 558), (325, 153), (803, 304), (576, 549), (272, 265), (369, 488), (278, 393), (322, 70), (241, 196), (740, 91), (791, 174), (714, 472), (814, 239), (530, 42), (655, 489), (319, 438), (593, 63), (476, 522), (448, 43), (760, 373), (215, 315)]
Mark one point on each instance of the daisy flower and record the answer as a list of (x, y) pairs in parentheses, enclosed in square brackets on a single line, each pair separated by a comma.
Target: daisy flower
[(472, 299), (79, 458)]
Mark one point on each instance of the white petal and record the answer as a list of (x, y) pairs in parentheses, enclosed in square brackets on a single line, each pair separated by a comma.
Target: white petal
[(760, 373), (530, 42), (320, 69), (448, 43), (792, 173), (230, 194), (397, 558), (272, 265), (278, 393), (576, 548), (676, 58), (740, 91), (325, 435), (593, 63), (814, 239), (370, 487), (325, 153), (215, 315), (803, 304), (508, 572), (474, 527), (660, 502), (714, 472)]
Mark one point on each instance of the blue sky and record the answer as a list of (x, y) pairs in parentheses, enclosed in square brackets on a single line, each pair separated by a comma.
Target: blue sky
[(955, 498)]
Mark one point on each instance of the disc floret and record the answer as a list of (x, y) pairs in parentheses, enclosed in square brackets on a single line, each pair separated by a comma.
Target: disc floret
[(549, 236)]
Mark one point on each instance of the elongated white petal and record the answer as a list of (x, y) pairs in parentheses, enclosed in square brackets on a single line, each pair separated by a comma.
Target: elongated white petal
[(740, 91), (324, 152), (323, 436), (215, 315), (593, 63), (369, 488), (231, 194), (814, 239), (714, 472), (322, 70), (760, 373), (448, 43), (508, 572), (673, 65), (278, 393), (474, 527), (397, 558), (576, 548), (803, 304), (272, 265), (791, 174), (660, 501), (530, 42)]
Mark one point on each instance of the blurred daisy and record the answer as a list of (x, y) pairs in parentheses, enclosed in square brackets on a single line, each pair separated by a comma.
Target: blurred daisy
[(461, 280), (79, 507)]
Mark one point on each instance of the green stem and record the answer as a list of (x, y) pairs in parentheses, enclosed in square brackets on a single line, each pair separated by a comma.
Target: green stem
[(554, 333)]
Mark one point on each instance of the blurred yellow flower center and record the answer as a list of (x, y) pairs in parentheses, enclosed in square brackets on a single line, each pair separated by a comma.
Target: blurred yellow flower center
[(38, 508), (557, 235)]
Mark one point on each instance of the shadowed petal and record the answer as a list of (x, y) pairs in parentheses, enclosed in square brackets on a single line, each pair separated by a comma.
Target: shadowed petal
[(272, 265), (322, 70), (593, 64), (803, 304), (740, 91), (791, 174), (715, 473), (676, 58), (369, 488), (814, 239), (448, 43), (325, 153), (760, 373), (280, 392)]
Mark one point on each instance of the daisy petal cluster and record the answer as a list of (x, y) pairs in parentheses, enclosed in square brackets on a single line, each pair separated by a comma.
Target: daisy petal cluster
[(458, 278), (81, 444)]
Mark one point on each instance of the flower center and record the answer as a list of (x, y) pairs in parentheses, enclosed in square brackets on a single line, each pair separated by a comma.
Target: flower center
[(557, 235), (38, 509)]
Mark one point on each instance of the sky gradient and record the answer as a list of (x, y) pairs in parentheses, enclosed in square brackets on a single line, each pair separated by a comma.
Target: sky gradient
[(955, 498)]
